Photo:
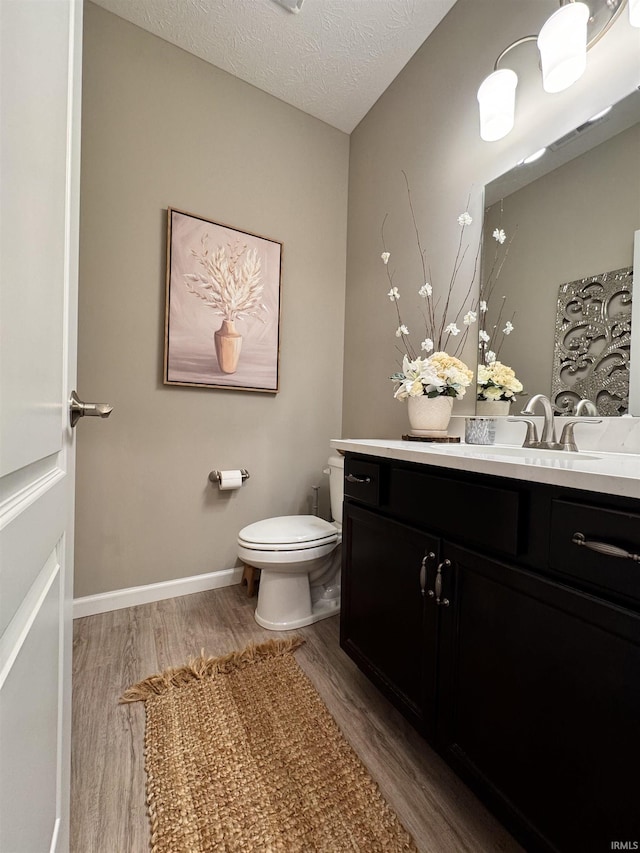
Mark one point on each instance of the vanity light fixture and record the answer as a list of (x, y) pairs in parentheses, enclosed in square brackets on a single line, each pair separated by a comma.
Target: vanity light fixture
[(563, 42), (634, 13), (563, 47)]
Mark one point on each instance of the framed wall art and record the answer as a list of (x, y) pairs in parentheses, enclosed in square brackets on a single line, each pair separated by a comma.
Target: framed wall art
[(222, 326), (592, 352)]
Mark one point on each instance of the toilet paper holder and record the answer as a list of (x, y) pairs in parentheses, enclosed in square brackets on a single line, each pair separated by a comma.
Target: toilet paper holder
[(214, 476)]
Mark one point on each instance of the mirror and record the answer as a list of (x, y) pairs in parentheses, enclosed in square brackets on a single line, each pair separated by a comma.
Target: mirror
[(568, 218)]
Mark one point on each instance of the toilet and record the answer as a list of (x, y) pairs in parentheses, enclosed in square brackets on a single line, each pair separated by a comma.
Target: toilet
[(299, 556)]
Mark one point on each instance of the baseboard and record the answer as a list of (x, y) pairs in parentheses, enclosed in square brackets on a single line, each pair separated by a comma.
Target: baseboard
[(103, 602)]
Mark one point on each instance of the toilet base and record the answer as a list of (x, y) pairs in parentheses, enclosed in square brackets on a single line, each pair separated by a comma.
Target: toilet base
[(289, 600), (320, 610)]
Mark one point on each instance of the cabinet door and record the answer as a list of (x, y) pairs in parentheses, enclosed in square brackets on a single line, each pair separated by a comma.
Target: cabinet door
[(540, 704), (385, 626)]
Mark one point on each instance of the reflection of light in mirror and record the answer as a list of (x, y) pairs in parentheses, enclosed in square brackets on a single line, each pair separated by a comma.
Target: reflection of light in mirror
[(600, 115), (533, 157)]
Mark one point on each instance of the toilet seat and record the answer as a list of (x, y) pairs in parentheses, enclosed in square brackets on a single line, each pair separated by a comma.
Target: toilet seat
[(289, 533)]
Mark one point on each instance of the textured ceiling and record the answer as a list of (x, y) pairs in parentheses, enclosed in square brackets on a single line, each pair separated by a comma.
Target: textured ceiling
[(332, 60)]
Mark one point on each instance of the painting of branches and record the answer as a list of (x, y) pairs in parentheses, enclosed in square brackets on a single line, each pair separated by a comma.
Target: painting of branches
[(223, 306)]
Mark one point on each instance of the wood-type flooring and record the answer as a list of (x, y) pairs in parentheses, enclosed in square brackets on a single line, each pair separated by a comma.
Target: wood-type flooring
[(114, 650)]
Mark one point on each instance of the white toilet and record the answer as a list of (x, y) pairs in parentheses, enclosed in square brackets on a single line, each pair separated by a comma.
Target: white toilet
[(300, 560)]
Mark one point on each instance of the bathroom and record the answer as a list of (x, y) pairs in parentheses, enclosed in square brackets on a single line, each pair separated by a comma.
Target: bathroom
[(161, 128)]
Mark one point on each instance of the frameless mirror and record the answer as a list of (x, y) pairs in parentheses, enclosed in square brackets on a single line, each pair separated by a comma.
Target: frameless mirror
[(562, 277)]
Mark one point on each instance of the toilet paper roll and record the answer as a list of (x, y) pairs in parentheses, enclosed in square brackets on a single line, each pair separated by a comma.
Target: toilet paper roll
[(230, 480)]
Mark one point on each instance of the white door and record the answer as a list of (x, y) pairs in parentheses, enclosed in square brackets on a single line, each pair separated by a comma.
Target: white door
[(40, 55)]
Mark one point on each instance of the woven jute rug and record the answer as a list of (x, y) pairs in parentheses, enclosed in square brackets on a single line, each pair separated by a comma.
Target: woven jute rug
[(242, 754)]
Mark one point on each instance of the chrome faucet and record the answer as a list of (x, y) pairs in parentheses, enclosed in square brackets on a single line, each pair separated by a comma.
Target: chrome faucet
[(548, 440)]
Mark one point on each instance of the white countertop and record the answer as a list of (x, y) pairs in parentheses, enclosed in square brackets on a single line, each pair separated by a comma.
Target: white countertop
[(592, 470)]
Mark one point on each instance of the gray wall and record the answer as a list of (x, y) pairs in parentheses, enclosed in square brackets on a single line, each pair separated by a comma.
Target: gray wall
[(426, 123), (577, 221), (162, 128)]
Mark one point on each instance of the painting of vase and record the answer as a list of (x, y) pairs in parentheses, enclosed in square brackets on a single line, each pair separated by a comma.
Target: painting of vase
[(223, 306)]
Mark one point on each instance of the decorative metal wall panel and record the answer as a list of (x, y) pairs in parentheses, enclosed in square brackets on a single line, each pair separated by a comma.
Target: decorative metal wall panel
[(593, 343)]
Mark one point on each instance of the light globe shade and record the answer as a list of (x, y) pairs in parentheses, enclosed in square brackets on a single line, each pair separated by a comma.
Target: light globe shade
[(497, 100), (563, 47), (634, 13)]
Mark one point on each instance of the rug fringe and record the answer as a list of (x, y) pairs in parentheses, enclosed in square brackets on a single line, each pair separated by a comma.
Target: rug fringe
[(204, 667)]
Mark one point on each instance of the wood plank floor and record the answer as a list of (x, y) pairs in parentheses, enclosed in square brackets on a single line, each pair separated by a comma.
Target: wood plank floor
[(114, 650)]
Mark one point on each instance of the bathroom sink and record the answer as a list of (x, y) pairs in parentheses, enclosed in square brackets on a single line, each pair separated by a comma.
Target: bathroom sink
[(527, 454)]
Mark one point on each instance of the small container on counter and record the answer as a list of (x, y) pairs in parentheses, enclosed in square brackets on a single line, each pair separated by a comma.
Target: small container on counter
[(480, 430)]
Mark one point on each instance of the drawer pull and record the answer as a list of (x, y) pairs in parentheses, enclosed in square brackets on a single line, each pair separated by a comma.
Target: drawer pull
[(351, 478), (423, 570), (604, 548)]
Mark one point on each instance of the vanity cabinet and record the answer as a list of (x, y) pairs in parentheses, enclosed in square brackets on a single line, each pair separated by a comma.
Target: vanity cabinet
[(385, 627), (521, 665)]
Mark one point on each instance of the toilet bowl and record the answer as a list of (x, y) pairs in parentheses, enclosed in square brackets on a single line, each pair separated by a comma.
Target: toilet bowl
[(300, 558)]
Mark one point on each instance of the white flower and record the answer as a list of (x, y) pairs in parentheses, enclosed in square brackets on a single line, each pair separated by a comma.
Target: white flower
[(484, 336), (470, 317), (427, 345), (393, 294), (417, 378), (508, 327), (452, 329), (425, 290), (464, 219), (385, 257), (490, 356), (499, 235), (483, 306), (492, 393), (401, 330)]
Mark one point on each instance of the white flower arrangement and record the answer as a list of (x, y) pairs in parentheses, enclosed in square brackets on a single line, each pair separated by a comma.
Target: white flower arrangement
[(491, 337), (440, 373), (496, 381)]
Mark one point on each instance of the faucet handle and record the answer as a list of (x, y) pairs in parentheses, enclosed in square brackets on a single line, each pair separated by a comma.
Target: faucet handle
[(531, 438), (567, 439)]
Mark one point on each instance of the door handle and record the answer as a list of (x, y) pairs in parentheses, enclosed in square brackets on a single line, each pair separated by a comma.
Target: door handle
[(78, 409)]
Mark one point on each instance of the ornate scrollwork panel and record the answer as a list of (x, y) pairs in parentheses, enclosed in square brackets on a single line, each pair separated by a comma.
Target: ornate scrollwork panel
[(593, 343)]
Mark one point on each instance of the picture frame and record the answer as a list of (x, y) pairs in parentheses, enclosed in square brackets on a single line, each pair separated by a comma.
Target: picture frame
[(222, 318)]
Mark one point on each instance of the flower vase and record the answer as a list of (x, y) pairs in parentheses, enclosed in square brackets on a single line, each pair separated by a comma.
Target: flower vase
[(492, 408), (429, 416), (228, 344)]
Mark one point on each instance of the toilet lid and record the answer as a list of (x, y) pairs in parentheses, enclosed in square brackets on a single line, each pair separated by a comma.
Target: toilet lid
[(289, 532)]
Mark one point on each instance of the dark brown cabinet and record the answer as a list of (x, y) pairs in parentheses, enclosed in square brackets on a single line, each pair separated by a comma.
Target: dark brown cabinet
[(383, 596), (524, 674)]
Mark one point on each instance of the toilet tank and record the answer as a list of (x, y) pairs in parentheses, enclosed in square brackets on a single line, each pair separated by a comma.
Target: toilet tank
[(336, 486)]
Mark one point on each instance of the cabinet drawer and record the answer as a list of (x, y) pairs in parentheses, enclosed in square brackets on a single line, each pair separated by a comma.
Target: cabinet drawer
[(477, 514), (617, 574), (362, 481)]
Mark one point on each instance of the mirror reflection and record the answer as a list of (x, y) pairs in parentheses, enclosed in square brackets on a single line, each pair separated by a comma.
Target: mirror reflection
[(557, 258)]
